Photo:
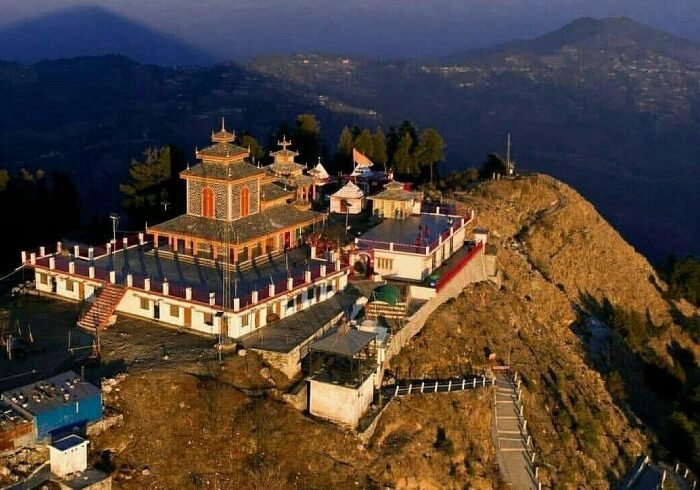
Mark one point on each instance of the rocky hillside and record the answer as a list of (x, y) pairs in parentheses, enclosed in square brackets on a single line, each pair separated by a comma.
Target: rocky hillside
[(591, 396)]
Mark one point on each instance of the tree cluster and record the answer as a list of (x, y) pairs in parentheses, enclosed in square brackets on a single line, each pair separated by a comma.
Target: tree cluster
[(412, 155), (154, 190)]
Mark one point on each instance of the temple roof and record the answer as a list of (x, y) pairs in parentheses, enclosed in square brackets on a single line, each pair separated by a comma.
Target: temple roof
[(232, 171), (284, 152), (285, 168), (274, 219), (222, 150), (319, 172), (394, 191), (271, 192), (350, 191), (223, 136)]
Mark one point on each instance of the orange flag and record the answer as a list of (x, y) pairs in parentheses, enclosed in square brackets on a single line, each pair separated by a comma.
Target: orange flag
[(360, 160)]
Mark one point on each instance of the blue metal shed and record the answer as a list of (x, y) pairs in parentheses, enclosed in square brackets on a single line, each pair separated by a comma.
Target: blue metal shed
[(58, 403)]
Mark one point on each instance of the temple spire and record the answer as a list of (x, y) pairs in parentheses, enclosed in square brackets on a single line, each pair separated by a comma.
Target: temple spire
[(284, 143)]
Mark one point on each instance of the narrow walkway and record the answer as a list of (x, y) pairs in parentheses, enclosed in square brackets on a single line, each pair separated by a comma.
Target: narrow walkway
[(510, 435), (426, 386)]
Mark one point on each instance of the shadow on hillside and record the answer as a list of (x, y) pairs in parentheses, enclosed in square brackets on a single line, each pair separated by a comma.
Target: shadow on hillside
[(90, 30), (649, 390)]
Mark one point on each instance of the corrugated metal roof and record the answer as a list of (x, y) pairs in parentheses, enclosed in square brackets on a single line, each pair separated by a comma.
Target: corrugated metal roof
[(344, 342)]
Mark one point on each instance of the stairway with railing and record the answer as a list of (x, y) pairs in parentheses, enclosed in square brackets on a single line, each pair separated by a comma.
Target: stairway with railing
[(96, 315)]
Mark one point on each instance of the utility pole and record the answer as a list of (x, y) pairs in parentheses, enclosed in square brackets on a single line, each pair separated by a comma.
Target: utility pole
[(115, 218)]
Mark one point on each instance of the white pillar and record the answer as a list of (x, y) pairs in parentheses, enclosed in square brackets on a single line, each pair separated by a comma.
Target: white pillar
[(76, 250), (271, 290), (307, 276), (254, 296), (147, 284), (112, 277), (337, 264), (52, 263), (236, 304), (323, 270), (91, 272), (71, 267), (188, 293), (109, 247), (125, 242), (24, 256), (313, 252), (290, 283), (212, 299), (91, 253), (166, 288), (42, 251), (141, 239), (129, 280), (32, 258), (59, 247)]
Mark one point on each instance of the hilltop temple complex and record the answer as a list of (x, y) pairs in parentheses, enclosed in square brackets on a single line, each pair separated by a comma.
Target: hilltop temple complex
[(242, 265), (236, 208)]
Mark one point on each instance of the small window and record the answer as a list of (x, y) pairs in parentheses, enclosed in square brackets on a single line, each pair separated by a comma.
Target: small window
[(329, 287), (245, 320), (209, 319), (70, 286), (310, 294), (384, 264), (174, 311), (43, 279), (145, 304), (290, 303)]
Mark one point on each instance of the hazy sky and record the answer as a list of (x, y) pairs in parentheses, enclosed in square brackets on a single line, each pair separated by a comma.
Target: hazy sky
[(242, 28)]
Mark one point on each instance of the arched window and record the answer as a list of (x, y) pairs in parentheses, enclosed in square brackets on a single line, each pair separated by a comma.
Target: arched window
[(245, 202), (207, 202)]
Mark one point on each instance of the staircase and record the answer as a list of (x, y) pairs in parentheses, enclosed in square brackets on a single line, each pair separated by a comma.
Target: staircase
[(96, 315)]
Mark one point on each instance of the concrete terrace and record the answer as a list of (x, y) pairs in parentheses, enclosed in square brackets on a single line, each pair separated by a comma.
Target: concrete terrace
[(202, 275)]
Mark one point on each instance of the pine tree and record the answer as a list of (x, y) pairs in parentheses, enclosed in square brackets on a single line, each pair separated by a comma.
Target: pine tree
[(345, 142), (403, 162), (379, 155), (430, 150), (307, 137), (149, 185), (364, 143)]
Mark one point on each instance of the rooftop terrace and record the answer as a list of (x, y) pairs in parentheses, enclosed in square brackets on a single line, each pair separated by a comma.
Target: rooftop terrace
[(47, 395), (412, 234), (202, 275)]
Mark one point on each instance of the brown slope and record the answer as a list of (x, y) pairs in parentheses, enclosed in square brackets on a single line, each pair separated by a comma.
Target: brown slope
[(552, 246)]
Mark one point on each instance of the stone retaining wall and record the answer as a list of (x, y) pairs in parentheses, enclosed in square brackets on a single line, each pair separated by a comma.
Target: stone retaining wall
[(474, 271)]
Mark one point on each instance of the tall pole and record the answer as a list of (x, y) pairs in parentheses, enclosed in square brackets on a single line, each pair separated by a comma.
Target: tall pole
[(114, 217)]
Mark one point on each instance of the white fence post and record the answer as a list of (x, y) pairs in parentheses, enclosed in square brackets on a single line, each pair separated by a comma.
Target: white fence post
[(474, 383), (449, 386), (436, 386), (422, 383), (463, 382), (396, 393)]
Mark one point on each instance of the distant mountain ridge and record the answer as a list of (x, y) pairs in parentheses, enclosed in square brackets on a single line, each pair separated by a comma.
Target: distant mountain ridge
[(92, 30), (616, 119), (589, 33)]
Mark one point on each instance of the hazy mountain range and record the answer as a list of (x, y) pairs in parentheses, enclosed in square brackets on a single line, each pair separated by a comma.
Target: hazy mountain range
[(610, 106), (200, 32)]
